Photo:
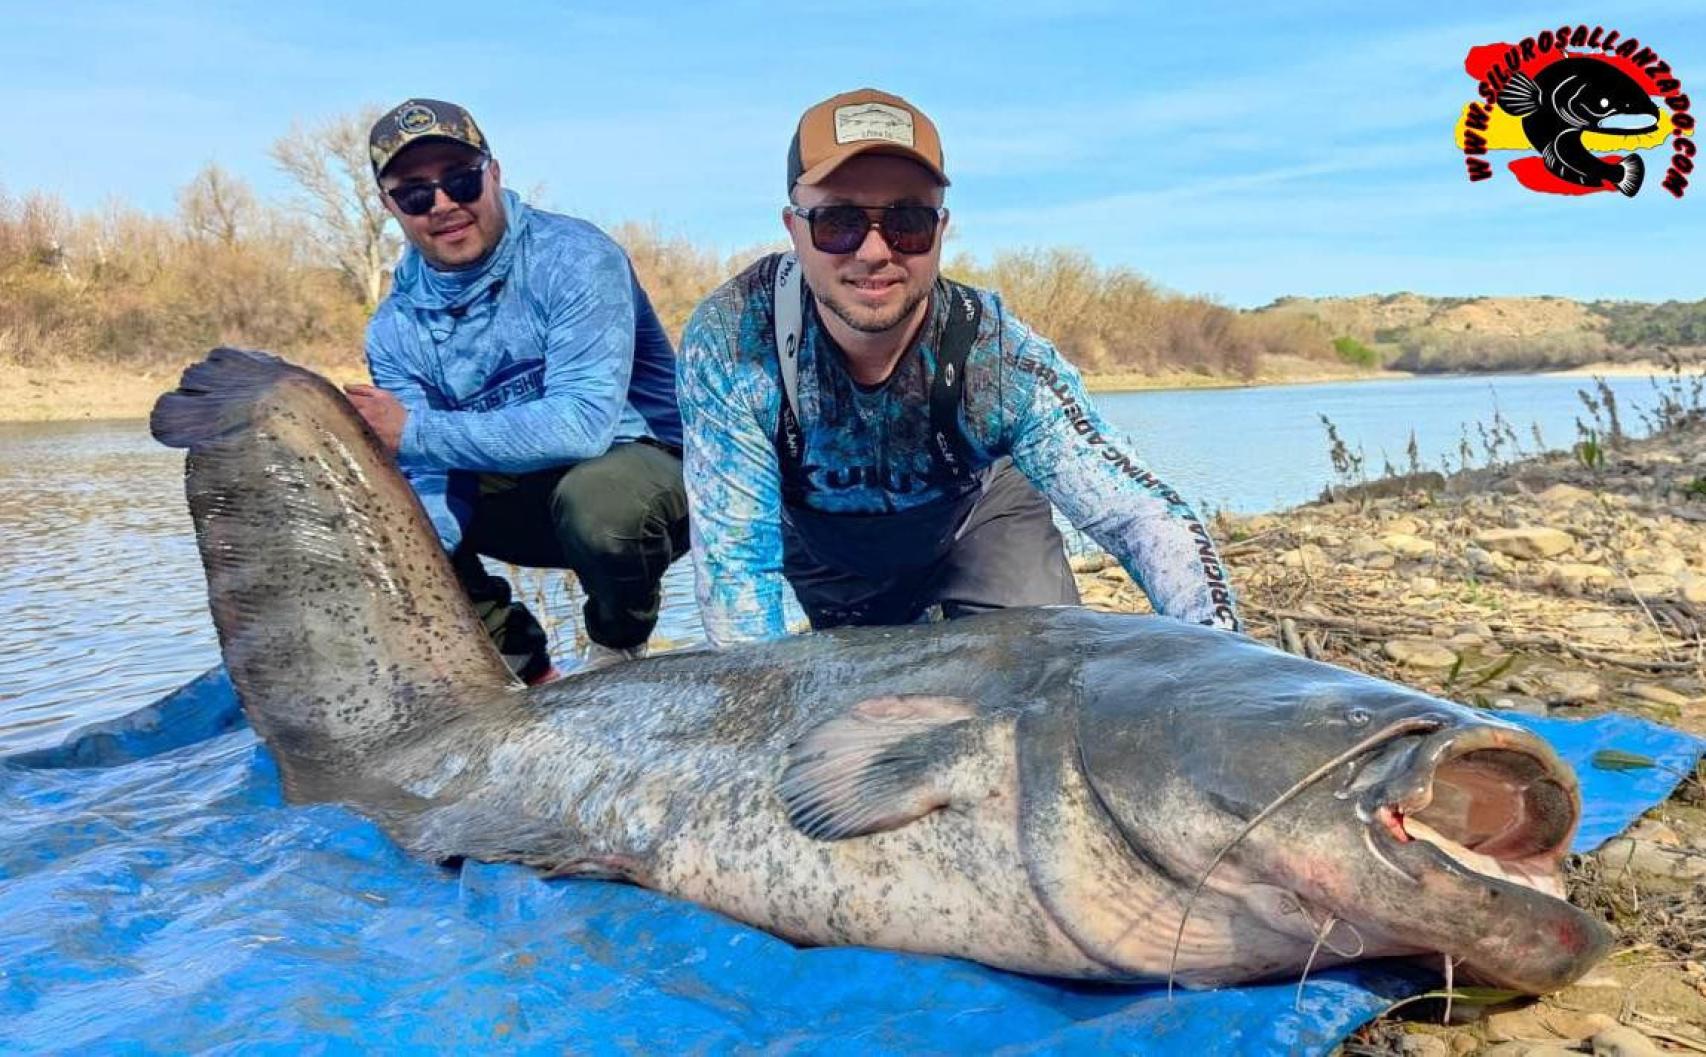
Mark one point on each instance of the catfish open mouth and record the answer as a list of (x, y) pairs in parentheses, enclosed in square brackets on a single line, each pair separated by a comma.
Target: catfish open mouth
[(1496, 802)]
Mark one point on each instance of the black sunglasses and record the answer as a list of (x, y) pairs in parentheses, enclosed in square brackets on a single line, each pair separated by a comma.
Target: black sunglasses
[(461, 186), (842, 229)]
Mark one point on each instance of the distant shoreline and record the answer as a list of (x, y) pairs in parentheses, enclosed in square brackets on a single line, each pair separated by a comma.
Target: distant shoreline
[(85, 393), (88, 393)]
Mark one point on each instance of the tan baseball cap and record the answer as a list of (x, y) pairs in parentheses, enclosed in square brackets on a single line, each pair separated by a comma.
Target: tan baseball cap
[(863, 122)]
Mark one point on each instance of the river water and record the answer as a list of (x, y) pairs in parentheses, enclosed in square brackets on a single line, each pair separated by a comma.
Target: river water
[(106, 607)]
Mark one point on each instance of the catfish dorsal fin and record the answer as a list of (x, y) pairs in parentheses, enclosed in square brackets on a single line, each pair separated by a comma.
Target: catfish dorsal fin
[(879, 766)]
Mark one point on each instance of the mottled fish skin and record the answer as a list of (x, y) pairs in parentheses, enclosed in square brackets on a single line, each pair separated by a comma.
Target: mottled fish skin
[(1039, 790)]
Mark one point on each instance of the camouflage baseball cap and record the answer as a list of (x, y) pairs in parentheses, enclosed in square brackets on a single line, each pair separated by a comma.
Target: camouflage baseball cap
[(416, 119)]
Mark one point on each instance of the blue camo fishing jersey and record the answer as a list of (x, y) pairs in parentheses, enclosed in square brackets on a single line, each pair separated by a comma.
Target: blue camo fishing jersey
[(867, 451), (544, 354)]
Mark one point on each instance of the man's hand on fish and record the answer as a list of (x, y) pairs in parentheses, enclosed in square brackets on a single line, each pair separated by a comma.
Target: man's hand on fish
[(384, 414)]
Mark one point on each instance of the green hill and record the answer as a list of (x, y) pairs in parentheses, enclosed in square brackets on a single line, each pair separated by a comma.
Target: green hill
[(1414, 333)]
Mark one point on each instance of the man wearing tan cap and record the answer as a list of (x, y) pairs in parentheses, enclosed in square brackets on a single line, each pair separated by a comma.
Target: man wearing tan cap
[(876, 435)]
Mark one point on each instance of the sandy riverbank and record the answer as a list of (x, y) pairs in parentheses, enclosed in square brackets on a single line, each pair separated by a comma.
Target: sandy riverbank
[(86, 392), (1546, 587), (1276, 370), (1632, 369), (71, 393), (66, 393)]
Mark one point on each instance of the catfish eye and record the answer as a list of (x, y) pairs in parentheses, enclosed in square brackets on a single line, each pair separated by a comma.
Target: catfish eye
[(1605, 102), (1357, 717)]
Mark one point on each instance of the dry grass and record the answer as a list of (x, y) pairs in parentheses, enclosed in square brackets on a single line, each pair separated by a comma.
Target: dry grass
[(1112, 320), (119, 290)]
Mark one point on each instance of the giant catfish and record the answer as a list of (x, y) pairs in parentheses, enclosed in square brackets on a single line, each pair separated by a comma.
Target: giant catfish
[(1055, 791)]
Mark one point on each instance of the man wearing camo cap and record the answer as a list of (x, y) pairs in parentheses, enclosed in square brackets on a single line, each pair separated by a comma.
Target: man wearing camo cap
[(526, 387)]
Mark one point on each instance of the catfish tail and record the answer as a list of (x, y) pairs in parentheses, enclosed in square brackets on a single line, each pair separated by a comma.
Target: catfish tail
[(340, 620), (1631, 171)]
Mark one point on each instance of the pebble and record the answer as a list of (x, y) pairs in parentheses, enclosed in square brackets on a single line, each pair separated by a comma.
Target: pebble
[(1654, 830), (1623, 1041), (1543, 1023), (1658, 695), (1528, 543), (1420, 653), (1653, 586), (1571, 688), (1530, 1049), (1599, 629), (1596, 992), (1528, 706), (1577, 578), (1365, 547), (1424, 1046), (1405, 545), (1308, 557), (1563, 495), (1645, 858), (1663, 563)]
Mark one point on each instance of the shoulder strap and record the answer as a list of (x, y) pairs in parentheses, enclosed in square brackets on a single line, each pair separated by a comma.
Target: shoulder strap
[(787, 308), (947, 389)]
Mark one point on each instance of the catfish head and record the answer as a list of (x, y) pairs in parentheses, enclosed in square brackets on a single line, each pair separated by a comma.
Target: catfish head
[(1297, 813), (1594, 95)]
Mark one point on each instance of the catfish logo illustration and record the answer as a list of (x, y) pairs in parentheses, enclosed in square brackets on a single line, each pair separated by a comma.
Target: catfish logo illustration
[(1570, 94)]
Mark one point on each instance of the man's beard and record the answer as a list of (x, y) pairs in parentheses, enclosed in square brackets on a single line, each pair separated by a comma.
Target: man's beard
[(867, 322)]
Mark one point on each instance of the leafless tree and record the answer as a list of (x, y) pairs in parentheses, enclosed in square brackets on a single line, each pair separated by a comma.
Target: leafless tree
[(329, 163), (217, 206)]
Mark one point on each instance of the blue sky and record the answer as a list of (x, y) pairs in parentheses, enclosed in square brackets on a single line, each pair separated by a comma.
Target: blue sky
[(1240, 151)]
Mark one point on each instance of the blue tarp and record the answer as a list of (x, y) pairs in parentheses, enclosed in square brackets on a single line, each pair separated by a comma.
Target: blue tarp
[(158, 895)]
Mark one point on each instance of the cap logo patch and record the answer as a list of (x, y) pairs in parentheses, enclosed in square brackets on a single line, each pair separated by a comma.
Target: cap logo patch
[(862, 121), (414, 120)]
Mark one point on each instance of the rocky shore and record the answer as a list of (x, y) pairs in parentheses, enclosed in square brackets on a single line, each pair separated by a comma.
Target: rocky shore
[(1561, 585)]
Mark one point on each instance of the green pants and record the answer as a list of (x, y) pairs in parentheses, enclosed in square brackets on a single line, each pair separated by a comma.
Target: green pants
[(618, 521)]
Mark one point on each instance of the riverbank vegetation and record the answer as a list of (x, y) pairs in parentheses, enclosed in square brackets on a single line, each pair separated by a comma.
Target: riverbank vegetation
[(116, 293), (121, 288)]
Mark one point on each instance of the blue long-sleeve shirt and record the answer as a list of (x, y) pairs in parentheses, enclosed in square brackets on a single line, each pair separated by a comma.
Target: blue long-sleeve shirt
[(544, 354), (867, 450)]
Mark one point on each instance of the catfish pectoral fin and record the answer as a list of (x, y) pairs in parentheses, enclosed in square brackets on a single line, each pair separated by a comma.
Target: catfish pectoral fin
[(878, 767)]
